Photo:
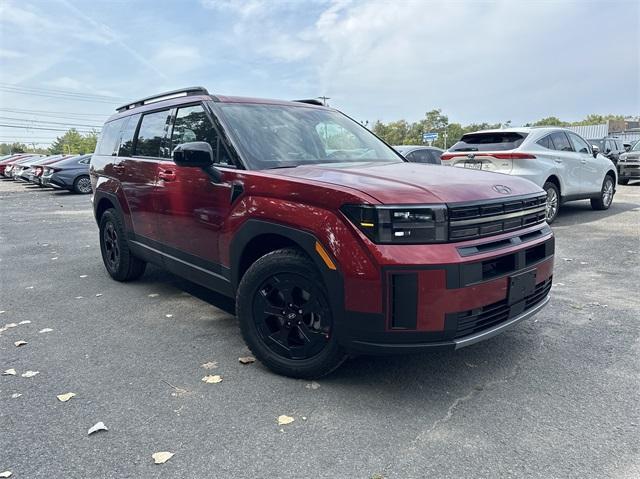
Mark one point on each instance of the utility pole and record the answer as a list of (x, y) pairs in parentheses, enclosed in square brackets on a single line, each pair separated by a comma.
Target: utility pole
[(324, 99)]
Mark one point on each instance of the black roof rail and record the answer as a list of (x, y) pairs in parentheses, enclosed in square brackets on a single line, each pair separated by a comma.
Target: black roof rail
[(192, 90), (310, 102)]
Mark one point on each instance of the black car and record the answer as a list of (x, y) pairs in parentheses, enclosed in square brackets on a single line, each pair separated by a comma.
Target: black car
[(420, 153), (612, 148)]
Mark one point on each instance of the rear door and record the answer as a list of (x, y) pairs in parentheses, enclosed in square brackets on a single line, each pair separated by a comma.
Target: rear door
[(192, 209), (568, 163), (142, 148)]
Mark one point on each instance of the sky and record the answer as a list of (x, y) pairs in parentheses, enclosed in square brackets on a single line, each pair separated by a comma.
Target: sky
[(72, 62)]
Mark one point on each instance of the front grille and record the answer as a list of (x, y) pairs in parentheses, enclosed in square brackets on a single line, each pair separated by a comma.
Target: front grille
[(478, 320), (477, 220)]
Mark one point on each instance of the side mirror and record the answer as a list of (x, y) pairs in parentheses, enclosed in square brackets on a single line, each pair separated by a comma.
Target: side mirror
[(627, 146), (596, 150), (197, 154)]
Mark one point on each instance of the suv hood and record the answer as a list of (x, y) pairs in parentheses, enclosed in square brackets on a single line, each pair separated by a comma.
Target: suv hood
[(414, 183)]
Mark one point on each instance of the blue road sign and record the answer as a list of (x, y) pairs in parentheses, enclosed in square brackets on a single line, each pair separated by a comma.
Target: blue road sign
[(429, 136)]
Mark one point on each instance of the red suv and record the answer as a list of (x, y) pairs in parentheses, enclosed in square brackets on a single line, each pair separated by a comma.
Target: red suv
[(329, 241)]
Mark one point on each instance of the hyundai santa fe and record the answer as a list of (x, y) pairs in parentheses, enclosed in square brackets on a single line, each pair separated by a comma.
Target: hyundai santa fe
[(329, 241), (558, 160)]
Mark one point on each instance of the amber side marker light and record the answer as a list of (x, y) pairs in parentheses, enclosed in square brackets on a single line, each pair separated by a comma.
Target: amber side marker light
[(325, 256)]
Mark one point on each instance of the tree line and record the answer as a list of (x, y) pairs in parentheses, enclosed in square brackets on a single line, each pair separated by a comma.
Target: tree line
[(71, 143), (402, 132)]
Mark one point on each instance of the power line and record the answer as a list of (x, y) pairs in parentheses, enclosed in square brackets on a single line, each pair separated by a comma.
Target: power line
[(24, 120), (53, 113), (40, 128), (61, 92), (59, 97)]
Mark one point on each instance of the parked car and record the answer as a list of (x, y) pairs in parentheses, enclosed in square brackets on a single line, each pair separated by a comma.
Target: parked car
[(6, 161), (612, 148), (420, 153), (329, 240), (629, 165), (69, 174), (37, 168), (558, 160), (15, 165), (22, 168)]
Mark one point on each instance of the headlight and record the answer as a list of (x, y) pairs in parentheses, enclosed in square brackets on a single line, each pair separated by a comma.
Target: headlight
[(400, 224)]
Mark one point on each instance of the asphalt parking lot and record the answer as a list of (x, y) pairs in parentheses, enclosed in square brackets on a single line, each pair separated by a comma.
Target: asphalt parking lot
[(556, 396)]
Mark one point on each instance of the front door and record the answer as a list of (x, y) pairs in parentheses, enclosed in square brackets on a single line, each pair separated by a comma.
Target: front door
[(567, 163), (192, 209), (591, 177)]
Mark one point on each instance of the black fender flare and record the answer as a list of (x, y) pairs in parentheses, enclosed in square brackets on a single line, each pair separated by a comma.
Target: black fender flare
[(307, 242)]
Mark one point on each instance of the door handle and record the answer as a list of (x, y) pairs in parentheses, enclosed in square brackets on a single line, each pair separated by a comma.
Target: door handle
[(118, 168), (557, 160), (167, 175)]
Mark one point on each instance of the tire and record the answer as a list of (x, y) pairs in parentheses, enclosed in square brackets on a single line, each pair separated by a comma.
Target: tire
[(553, 201), (606, 194), (285, 316), (118, 259), (82, 185), (623, 181)]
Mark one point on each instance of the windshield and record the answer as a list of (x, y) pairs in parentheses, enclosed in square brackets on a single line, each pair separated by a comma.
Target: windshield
[(636, 147), (281, 136)]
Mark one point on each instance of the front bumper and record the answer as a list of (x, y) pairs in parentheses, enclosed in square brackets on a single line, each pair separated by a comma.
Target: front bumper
[(450, 306), (628, 170)]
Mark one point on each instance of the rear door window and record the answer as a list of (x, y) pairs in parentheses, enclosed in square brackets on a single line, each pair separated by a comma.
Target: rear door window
[(151, 135), (579, 144), (490, 141), (560, 141), (419, 156), (193, 124)]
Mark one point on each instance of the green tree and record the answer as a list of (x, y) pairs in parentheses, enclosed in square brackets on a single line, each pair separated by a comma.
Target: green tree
[(73, 142), (11, 148)]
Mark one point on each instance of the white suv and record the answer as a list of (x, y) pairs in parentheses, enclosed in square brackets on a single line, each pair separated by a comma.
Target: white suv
[(558, 160)]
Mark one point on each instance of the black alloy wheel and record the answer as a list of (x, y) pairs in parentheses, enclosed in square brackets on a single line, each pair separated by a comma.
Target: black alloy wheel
[(291, 316)]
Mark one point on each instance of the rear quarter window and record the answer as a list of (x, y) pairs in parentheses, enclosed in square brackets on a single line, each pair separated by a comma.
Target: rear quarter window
[(493, 141), (110, 138)]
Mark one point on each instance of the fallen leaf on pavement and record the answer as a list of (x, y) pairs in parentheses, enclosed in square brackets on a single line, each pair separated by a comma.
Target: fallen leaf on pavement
[(65, 397), (9, 372), (29, 287), (83, 275), (53, 259), (45, 330), (16, 395), (312, 385), (29, 374), (247, 360), (79, 297), (169, 315), (153, 295), (26, 321), (212, 379), (20, 343), (6, 474), (161, 457), (97, 427), (282, 420), (210, 365), (98, 295), (567, 259)]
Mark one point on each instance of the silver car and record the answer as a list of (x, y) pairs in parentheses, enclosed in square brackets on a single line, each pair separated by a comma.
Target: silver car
[(560, 161)]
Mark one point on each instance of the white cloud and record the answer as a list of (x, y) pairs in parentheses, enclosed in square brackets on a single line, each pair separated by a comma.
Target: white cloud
[(67, 83), (4, 53), (178, 57)]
